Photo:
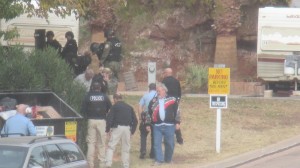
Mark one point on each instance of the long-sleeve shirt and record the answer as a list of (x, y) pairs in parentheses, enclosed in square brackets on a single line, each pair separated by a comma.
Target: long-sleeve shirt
[(82, 80), (19, 124), (70, 47), (121, 114), (173, 85)]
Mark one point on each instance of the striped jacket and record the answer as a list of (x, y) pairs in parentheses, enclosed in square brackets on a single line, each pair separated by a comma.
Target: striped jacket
[(171, 107)]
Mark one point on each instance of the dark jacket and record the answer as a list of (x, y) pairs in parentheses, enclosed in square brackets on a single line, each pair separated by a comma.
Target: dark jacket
[(55, 44), (70, 47), (69, 52), (121, 114), (173, 86), (95, 105), (171, 107)]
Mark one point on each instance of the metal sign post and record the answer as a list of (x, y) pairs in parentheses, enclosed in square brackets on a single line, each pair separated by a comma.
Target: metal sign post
[(218, 131), (218, 88), (219, 102), (151, 72)]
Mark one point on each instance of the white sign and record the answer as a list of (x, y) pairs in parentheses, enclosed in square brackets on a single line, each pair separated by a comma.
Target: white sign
[(44, 130), (151, 72), (218, 101)]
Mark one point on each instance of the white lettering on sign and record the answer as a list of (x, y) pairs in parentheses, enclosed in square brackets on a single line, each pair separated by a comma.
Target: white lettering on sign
[(96, 98), (218, 104), (218, 101)]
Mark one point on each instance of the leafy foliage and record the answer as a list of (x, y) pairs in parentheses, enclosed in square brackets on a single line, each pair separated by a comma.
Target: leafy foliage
[(100, 14), (38, 70), (15, 9), (196, 77)]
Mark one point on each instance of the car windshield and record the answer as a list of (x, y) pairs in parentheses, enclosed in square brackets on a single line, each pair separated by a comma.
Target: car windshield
[(12, 156)]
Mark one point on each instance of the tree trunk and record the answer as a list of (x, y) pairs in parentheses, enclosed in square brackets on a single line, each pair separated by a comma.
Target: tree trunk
[(226, 52)]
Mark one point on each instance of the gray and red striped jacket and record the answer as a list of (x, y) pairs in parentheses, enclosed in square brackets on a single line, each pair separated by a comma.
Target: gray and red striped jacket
[(171, 107)]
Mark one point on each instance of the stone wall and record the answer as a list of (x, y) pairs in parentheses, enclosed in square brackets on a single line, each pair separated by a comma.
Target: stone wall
[(247, 88)]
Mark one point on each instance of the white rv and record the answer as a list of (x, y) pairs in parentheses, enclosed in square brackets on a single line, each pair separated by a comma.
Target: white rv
[(27, 26), (278, 46)]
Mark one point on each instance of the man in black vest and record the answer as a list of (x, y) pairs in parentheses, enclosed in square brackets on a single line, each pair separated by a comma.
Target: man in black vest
[(111, 57), (51, 42), (95, 107), (69, 52)]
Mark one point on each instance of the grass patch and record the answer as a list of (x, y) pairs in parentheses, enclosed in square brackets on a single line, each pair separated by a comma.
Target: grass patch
[(247, 124)]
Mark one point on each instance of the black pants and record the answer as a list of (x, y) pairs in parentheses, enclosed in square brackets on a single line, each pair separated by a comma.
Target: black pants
[(143, 139)]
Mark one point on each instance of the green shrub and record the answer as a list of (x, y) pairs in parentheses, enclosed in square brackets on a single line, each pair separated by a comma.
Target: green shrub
[(39, 70), (196, 78)]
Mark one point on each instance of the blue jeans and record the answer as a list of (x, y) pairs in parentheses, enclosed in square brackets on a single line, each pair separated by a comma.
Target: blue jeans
[(166, 133)]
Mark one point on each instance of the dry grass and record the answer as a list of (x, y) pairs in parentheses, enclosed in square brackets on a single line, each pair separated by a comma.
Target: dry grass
[(247, 124)]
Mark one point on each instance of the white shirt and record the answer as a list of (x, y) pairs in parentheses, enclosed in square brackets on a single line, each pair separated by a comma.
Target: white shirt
[(162, 113), (81, 79)]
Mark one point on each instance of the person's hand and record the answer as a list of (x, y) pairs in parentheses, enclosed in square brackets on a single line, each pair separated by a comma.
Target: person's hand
[(177, 126), (148, 129)]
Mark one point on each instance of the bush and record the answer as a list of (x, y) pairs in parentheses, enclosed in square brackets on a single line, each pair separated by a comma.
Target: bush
[(196, 78), (39, 70)]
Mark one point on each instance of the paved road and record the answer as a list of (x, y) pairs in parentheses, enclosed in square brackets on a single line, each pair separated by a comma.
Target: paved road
[(289, 158)]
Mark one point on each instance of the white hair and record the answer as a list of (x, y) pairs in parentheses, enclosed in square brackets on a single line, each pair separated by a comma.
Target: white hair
[(159, 84)]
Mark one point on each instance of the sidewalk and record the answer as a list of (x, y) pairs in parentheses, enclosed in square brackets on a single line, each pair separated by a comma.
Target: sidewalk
[(236, 161)]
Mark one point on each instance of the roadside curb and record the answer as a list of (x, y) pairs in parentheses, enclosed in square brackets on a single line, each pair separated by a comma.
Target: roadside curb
[(141, 93), (248, 157)]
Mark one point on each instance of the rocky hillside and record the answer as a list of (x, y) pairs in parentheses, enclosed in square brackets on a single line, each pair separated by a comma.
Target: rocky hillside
[(181, 35)]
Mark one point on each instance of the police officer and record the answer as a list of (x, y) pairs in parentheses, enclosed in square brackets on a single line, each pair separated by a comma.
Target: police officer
[(82, 62), (97, 48), (111, 56), (95, 107), (51, 42), (69, 52)]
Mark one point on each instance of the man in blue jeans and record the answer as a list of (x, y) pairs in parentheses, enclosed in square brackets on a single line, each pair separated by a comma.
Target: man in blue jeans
[(163, 110)]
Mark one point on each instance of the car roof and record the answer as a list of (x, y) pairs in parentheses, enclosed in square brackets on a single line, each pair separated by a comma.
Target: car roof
[(31, 140)]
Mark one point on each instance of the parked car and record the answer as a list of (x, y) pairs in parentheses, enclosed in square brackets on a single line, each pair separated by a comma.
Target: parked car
[(40, 152)]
